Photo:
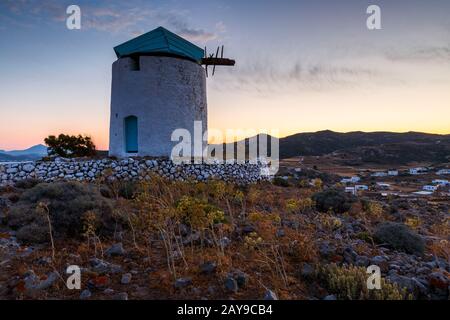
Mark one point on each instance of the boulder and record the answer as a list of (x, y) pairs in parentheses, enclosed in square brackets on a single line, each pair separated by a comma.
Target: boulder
[(115, 250), (182, 283)]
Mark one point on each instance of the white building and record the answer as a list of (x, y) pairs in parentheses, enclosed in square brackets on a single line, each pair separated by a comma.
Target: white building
[(351, 190), (361, 187), (430, 188), (423, 193), (418, 170), (441, 182), (383, 185), (350, 180), (443, 171), (392, 173), (379, 174)]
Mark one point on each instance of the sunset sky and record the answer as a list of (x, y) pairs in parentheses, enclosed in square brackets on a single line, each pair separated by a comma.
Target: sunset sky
[(300, 65)]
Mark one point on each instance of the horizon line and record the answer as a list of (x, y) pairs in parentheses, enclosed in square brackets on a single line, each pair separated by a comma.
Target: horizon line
[(281, 137)]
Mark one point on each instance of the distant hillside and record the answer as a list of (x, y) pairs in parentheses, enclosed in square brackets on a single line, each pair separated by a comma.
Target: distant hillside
[(324, 142), (377, 147), (34, 153)]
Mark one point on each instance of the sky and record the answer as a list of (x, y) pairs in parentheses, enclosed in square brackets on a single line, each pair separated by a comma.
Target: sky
[(301, 66)]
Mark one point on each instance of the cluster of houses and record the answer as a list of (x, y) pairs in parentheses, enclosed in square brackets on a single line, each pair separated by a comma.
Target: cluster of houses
[(390, 173), (443, 171), (411, 171), (357, 187), (435, 184), (426, 189)]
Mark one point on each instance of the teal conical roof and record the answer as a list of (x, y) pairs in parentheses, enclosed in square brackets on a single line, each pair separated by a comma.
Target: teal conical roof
[(160, 41)]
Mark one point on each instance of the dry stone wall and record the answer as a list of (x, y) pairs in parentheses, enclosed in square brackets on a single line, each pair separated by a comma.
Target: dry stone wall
[(128, 169)]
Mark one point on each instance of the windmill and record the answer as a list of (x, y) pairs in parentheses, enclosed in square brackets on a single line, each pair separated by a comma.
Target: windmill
[(210, 60)]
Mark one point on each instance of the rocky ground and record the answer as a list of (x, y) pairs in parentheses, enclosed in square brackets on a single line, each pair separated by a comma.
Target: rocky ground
[(168, 240)]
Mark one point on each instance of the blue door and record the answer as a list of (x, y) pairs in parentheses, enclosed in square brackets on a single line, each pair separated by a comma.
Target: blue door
[(131, 134)]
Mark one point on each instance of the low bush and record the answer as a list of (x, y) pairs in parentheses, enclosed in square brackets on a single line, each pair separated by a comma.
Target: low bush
[(66, 203), (278, 181), (26, 183), (198, 213), (128, 189), (333, 199), (350, 283), (399, 237), (120, 189)]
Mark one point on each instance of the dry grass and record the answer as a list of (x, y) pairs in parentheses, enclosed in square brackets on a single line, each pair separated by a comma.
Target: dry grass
[(170, 228)]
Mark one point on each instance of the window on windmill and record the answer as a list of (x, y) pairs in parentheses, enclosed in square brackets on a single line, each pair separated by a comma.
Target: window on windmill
[(135, 64)]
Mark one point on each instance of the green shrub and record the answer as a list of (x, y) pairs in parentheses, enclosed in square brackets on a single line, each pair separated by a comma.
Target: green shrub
[(333, 199), (35, 232), (278, 181), (398, 236), (128, 189), (365, 236), (66, 202), (27, 183)]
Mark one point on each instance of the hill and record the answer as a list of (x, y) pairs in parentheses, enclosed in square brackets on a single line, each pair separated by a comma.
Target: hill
[(378, 147), (32, 153)]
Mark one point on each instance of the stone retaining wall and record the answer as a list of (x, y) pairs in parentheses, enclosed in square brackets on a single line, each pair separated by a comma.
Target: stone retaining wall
[(128, 169)]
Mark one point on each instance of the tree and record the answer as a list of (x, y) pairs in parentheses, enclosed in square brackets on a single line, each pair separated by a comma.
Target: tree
[(70, 146)]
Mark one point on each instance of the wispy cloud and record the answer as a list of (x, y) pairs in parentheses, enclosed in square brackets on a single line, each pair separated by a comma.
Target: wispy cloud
[(421, 54), (266, 77), (221, 27), (125, 18)]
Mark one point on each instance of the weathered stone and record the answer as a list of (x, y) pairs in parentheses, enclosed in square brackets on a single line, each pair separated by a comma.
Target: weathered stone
[(225, 242), (182, 283), (28, 167), (208, 267), (101, 266), (231, 284), (121, 296), (12, 170), (85, 294), (126, 278), (362, 261), (115, 250), (270, 295), (307, 271), (33, 283)]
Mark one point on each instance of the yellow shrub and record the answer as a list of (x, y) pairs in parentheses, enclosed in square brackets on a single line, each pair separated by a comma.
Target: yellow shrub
[(198, 213), (292, 205), (413, 223), (260, 217), (252, 240), (374, 209), (350, 283)]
